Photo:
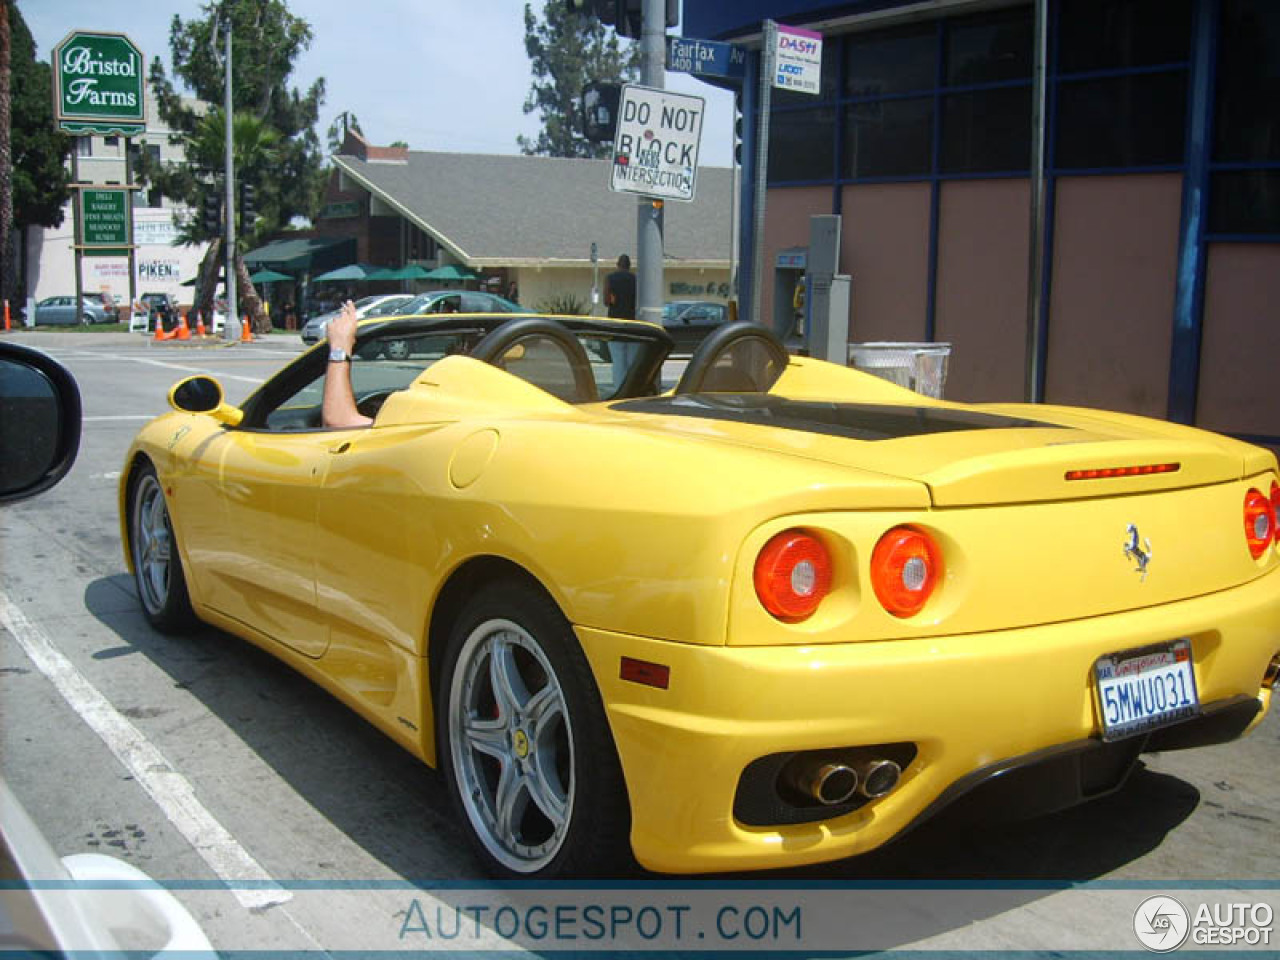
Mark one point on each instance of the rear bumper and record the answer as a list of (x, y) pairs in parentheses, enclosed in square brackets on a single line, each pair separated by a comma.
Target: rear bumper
[(976, 707)]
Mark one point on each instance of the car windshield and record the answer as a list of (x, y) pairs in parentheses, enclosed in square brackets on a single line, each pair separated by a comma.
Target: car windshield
[(672, 310), (390, 308), (422, 302)]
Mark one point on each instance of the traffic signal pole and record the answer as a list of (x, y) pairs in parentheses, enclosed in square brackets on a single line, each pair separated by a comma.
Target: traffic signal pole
[(649, 212), (231, 328)]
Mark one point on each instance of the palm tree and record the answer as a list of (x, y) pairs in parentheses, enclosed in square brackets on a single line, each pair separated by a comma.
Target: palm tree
[(254, 145), (6, 159)]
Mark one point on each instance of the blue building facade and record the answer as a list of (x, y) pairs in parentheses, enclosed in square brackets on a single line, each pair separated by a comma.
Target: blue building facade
[(1160, 269)]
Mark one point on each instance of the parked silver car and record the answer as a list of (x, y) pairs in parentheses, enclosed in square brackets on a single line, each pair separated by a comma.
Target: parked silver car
[(378, 305), (95, 308)]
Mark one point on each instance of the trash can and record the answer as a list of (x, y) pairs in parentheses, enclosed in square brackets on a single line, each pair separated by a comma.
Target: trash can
[(921, 367)]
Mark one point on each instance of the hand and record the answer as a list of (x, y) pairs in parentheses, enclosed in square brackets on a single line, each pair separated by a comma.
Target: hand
[(341, 331)]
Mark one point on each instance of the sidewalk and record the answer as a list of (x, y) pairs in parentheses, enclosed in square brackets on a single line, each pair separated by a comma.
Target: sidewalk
[(72, 338)]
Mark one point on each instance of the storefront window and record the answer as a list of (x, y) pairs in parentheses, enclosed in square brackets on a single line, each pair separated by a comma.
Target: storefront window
[(989, 49), (1131, 121), (891, 61), (1248, 107), (986, 131), (1245, 202), (888, 138), (1123, 34), (800, 145)]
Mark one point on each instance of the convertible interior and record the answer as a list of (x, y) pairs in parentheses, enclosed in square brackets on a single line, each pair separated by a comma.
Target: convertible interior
[(577, 360)]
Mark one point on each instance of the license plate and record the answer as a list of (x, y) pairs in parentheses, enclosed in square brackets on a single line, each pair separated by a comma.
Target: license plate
[(1140, 690)]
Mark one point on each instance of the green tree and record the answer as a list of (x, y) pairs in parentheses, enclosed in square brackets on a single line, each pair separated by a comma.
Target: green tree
[(568, 50), (338, 130), (285, 165), (33, 154)]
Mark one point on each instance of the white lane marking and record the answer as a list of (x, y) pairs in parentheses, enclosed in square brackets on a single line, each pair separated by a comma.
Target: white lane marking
[(122, 416), (185, 369), (114, 475), (171, 791)]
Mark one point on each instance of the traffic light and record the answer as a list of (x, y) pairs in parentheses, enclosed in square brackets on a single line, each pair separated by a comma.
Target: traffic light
[(625, 16), (600, 101), (211, 211), (248, 204)]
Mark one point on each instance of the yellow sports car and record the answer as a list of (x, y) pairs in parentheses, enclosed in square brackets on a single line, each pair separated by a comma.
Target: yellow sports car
[(773, 617)]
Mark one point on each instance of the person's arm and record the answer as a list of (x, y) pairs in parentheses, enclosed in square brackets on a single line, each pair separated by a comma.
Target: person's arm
[(338, 408)]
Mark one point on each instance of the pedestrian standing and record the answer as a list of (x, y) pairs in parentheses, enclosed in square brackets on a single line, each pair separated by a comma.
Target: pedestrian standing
[(620, 290)]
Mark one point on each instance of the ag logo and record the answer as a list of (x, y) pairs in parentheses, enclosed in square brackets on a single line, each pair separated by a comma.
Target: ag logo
[(1161, 924)]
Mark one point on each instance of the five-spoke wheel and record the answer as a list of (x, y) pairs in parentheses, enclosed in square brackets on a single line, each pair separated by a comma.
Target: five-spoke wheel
[(525, 744), (157, 568)]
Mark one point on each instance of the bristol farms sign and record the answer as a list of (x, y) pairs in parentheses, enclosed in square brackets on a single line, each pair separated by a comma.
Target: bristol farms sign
[(98, 84)]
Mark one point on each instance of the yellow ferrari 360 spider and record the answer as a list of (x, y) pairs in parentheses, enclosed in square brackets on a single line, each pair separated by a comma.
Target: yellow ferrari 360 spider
[(773, 617)]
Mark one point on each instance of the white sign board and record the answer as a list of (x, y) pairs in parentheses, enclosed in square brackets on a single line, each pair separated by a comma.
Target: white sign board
[(655, 150), (797, 60)]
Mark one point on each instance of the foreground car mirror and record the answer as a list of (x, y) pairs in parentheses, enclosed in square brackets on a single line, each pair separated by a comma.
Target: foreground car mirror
[(204, 395), (39, 422)]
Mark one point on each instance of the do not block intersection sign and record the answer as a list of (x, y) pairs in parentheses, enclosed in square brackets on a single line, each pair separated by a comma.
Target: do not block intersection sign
[(655, 149)]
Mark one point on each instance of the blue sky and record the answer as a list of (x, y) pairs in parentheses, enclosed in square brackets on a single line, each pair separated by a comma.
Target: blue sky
[(447, 75)]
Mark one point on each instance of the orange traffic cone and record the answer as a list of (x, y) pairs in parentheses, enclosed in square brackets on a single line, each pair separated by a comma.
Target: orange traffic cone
[(200, 331), (246, 331), (6, 316), (183, 332), (160, 334)]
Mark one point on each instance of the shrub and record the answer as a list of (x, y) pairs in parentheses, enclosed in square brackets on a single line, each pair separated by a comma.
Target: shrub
[(564, 304)]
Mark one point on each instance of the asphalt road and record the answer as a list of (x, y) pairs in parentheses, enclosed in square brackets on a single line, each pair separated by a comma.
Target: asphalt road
[(195, 756)]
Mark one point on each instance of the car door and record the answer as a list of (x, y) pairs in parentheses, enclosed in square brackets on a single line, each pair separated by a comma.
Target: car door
[(257, 563), (56, 310)]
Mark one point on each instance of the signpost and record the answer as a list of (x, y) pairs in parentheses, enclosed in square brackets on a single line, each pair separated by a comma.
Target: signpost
[(655, 150), (98, 88)]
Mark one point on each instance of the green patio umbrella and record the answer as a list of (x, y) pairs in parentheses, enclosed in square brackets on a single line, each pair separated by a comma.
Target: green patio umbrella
[(452, 271), (410, 272), (352, 271), (268, 276)]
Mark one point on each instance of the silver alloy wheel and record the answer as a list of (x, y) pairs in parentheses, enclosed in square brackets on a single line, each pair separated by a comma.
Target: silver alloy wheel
[(152, 543), (511, 741)]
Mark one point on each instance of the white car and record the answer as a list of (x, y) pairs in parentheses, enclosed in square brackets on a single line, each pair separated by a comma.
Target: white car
[(313, 329)]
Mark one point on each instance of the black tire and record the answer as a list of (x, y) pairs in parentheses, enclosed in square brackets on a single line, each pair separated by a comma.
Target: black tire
[(157, 564), (548, 737)]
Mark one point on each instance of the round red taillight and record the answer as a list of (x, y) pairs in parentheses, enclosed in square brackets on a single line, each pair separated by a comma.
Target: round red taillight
[(906, 566), (1275, 512), (1259, 522), (793, 575)]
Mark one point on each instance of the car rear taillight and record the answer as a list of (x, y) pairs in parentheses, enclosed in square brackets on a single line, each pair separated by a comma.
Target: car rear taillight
[(906, 566), (1275, 512), (793, 575), (1259, 522)]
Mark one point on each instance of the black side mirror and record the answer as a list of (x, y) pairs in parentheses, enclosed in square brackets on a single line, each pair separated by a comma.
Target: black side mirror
[(204, 395), (40, 417), (197, 395)]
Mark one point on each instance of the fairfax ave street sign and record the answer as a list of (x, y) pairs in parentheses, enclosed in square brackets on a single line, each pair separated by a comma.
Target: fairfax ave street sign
[(98, 85), (655, 149)]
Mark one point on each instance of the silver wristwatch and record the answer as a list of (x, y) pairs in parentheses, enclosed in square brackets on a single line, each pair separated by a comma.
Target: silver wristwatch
[(338, 355)]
